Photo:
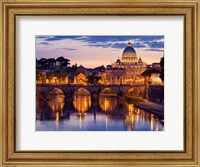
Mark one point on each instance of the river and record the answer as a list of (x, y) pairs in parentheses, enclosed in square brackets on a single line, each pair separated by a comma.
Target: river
[(81, 113)]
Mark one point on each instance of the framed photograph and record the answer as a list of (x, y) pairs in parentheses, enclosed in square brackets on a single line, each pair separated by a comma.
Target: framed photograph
[(78, 93), (100, 83)]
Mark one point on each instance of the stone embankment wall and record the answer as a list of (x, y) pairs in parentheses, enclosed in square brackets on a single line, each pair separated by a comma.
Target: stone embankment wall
[(156, 93)]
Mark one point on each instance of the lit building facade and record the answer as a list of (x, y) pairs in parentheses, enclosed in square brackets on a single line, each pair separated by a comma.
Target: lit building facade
[(132, 65), (80, 79), (114, 75)]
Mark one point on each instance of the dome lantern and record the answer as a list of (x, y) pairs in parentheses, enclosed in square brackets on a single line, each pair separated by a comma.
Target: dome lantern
[(129, 43)]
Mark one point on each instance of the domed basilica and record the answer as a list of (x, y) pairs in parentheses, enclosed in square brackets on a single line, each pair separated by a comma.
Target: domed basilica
[(132, 65)]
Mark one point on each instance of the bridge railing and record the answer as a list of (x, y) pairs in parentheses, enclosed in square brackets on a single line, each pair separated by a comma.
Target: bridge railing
[(82, 85)]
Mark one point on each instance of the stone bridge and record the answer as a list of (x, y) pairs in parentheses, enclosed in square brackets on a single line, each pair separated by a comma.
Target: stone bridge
[(69, 89)]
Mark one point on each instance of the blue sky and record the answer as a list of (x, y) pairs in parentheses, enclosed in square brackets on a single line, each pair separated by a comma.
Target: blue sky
[(86, 50)]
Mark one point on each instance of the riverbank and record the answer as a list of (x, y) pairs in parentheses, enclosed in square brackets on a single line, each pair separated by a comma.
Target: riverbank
[(151, 107)]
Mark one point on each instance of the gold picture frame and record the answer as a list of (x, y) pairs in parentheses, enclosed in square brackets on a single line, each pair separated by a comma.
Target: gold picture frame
[(13, 8)]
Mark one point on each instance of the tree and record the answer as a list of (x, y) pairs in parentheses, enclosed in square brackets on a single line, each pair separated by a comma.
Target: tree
[(62, 75), (49, 74), (162, 69), (38, 75), (93, 79)]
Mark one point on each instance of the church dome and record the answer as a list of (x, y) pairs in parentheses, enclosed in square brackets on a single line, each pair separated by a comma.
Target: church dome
[(118, 61), (140, 60), (129, 51)]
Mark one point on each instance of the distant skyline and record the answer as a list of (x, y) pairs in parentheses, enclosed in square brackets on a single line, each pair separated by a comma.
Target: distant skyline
[(93, 51)]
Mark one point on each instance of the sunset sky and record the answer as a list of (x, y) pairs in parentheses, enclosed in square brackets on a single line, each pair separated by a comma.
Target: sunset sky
[(93, 51)]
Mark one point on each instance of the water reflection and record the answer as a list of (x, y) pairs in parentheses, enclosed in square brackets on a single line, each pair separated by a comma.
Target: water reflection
[(136, 115), (82, 103), (107, 103), (56, 103), (85, 114)]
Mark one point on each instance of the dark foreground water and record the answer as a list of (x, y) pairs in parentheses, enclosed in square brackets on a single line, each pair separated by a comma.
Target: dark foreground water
[(82, 114)]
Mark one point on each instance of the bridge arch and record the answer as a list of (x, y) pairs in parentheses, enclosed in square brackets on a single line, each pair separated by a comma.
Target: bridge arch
[(82, 100), (108, 91), (41, 94), (82, 91), (134, 91), (55, 91)]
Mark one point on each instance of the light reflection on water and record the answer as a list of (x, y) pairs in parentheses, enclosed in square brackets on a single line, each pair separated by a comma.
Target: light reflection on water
[(83, 114), (82, 103)]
